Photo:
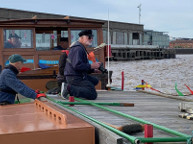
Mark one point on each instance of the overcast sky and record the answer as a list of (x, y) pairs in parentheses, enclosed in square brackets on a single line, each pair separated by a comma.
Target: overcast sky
[(172, 16)]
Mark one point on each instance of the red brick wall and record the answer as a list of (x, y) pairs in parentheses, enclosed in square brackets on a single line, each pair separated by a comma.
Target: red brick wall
[(181, 44)]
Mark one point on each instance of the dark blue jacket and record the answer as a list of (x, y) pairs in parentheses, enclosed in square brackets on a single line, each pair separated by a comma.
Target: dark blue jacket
[(77, 62), (10, 85), (8, 45), (58, 48), (62, 64)]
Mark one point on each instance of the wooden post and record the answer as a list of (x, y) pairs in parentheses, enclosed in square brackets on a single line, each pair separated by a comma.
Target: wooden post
[(148, 131), (122, 84)]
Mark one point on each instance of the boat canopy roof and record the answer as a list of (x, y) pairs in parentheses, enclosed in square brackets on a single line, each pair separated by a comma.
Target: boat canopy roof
[(65, 22)]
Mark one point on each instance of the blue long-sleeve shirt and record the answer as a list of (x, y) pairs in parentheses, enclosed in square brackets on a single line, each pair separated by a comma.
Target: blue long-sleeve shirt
[(10, 85)]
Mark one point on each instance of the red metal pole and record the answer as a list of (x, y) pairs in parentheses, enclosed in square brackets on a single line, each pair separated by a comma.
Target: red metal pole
[(142, 83), (148, 132), (122, 85), (71, 99)]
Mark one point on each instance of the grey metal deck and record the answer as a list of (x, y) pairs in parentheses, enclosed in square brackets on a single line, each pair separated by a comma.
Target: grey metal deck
[(159, 110)]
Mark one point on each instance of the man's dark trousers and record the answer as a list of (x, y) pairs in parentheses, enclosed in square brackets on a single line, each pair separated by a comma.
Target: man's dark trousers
[(83, 87)]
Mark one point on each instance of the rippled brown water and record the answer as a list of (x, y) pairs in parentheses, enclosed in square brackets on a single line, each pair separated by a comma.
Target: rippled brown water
[(160, 74)]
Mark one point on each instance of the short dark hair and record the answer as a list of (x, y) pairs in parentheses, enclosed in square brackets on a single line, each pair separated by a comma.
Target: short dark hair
[(64, 39)]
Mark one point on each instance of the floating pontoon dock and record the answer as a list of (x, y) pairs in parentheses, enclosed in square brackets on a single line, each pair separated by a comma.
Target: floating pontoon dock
[(160, 112)]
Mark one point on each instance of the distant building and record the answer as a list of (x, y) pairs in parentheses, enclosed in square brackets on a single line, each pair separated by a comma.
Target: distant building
[(123, 33), (156, 38), (182, 43)]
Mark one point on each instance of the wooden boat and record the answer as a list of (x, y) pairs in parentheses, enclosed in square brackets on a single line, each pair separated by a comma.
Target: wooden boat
[(42, 123), (36, 40)]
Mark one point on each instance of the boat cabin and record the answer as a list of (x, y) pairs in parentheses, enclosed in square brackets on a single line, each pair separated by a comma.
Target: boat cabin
[(35, 40)]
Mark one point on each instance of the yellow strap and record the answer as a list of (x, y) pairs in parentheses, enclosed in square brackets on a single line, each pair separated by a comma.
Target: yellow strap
[(144, 86)]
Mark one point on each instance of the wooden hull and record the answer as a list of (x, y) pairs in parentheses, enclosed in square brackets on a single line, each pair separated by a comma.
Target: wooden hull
[(42, 123), (45, 79), (38, 38)]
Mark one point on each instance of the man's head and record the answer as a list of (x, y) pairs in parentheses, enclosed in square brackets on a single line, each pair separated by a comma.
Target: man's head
[(15, 40), (86, 37), (16, 60), (64, 42), (14, 36)]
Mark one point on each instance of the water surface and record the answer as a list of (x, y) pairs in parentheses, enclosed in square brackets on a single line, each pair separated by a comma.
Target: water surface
[(160, 74)]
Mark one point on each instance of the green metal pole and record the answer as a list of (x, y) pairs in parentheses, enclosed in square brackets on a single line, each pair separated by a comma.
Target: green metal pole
[(130, 138), (108, 104), (88, 103), (24, 100), (163, 139), (51, 99), (138, 119)]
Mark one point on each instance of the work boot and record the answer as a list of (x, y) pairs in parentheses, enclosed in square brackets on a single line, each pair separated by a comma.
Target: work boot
[(65, 92)]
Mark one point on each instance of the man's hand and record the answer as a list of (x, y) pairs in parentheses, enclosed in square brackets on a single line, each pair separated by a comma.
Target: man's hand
[(97, 71), (37, 91), (95, 65), (40, 95)]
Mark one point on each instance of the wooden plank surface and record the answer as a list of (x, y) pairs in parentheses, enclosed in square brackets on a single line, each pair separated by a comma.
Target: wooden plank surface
[(102, 135), (159, 110)]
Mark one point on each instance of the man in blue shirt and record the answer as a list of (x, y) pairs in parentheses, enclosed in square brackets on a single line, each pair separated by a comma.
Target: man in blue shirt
[(63, 44), (10, 85), (13, 41), (77, 69)]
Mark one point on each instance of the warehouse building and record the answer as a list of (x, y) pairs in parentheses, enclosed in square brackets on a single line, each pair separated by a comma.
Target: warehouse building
[(160, 39)]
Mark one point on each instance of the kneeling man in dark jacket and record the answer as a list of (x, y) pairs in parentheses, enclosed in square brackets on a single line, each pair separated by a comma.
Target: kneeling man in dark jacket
[(79, 83)]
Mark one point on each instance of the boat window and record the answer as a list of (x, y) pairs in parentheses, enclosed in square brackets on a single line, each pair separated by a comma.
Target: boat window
[(46, 40), (18, 38), (74, 37), (105, 36), (64, 33)]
